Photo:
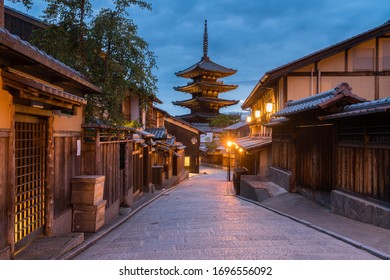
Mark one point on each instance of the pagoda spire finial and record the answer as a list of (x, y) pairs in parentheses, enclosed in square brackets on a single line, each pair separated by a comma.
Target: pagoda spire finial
[(205, 41)]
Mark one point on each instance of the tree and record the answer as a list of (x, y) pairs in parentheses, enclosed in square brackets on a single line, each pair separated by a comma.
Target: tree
[(26, 3), (224, 120), (105, 48)]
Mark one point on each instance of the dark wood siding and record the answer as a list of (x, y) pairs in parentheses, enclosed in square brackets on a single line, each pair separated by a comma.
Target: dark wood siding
[(184, 136), (107, 152), (66, 165), (21, 25), (4, 146), (282, 144), (363, 157), (315, 157)]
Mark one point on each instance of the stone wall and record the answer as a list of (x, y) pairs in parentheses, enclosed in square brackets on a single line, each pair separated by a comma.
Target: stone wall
[(360, 209), (280, 177)]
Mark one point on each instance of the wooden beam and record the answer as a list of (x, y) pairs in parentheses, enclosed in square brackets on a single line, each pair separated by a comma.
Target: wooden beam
[(49, 195), (32, 111), (11, 184), (50, 101)]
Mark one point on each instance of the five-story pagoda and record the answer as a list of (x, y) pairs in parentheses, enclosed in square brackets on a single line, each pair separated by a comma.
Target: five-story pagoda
[(204, 87)]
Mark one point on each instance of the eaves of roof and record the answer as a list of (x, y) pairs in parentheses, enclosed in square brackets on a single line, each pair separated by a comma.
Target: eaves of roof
[(210, 100), (159, 132), (18, 50), (206, 65), (364, 108), (253, 142), (321, 100), (183, 122), (199, 86), (236, 126), (326, 52)]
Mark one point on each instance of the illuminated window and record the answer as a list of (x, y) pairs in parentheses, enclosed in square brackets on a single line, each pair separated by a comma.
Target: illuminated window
[(187, 161)]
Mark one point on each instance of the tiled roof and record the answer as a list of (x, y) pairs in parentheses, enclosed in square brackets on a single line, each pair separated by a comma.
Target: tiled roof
[(320, 100), (211, 100), (209, 66), (253, 142), (364, 108), (306, 103), (159, 132), (25, 49), (236, 126), (200, 85), (179, 120)]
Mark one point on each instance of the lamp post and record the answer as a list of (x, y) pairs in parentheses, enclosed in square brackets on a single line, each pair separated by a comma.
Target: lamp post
[(229, 143)]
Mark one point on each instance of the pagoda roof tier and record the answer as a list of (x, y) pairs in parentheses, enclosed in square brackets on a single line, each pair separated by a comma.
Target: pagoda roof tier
[(203, 85), (206, 66), (217, 102), (198, 117)]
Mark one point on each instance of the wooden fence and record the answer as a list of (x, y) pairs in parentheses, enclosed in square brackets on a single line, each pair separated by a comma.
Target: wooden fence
[(66, 165), (363, 158), (109, 152)]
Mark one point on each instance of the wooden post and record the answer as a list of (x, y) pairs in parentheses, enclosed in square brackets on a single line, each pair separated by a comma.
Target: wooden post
[(293, 182), (126, 174), (49, 195), (97, 152), (11, 183), (1, 13)]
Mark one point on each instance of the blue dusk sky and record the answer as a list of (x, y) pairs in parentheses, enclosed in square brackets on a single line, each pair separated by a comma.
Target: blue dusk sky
[(251, 36)]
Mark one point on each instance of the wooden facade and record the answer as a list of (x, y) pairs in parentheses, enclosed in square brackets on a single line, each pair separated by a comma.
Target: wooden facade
[(324, 146), (21, 24), (185, 133), (361, 61), (307, 77), (41, 112), (362, 156), (108, 151)]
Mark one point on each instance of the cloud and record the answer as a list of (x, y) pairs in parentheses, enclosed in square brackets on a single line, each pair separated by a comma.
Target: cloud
[(250, 36)]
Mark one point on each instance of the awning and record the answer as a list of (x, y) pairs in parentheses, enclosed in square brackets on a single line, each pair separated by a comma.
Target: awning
[(253, 142)]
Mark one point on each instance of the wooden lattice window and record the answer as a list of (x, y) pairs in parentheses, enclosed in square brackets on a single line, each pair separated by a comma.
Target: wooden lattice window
[(30, 175)]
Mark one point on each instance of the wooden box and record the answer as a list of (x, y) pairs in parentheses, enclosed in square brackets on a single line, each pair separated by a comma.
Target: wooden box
[(88, 218), (87, 189)]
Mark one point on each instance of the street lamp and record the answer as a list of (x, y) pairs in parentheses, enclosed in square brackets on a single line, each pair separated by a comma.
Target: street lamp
[(229, 143)]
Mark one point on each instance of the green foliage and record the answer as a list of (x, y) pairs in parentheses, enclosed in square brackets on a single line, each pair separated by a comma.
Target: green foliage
[(105, 48), (26, 3), (133, 124), (224, 120), (211, 146)]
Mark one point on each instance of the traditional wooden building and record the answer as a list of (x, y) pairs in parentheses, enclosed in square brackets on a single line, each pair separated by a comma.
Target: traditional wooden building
[(334, 148), (205, 87), (185, 133), (21, 24), (362, 61), (41, 112)]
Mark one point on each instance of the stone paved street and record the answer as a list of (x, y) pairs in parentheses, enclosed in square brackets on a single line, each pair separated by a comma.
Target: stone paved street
[(202, 219)]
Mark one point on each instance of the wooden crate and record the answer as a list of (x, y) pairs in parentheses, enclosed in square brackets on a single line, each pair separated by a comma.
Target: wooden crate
[(87, 189), (88, 218)]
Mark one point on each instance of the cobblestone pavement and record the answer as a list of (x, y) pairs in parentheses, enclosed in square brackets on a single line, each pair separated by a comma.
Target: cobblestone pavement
[(202, 219)]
